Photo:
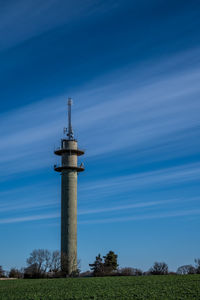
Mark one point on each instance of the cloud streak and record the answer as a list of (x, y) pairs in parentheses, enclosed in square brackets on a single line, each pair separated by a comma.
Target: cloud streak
[(167, 176), (28, 218), (32, 18), (124, 207), (162, 113), (125, 210), (172, 214)]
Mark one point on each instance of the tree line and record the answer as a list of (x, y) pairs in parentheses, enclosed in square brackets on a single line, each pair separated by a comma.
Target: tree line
[(43, 263)]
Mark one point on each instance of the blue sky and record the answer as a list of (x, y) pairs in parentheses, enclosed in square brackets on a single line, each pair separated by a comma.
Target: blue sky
[(133, 70)]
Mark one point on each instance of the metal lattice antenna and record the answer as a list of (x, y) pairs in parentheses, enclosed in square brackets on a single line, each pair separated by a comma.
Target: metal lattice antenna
[(70, 133)]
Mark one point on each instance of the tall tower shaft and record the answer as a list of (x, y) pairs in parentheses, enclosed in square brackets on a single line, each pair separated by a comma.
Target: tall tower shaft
[(69, 169)]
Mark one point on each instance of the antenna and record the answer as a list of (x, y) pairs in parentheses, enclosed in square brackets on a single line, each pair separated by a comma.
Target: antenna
[(70, 133)]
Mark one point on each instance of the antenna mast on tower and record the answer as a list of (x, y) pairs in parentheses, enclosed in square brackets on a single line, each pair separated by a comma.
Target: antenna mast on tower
[(70, 133)]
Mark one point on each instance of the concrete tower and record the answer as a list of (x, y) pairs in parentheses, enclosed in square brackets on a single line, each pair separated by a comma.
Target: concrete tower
[(69, 170)]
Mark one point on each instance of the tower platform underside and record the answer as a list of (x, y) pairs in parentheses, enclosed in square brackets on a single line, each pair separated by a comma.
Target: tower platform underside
[(72, 168), (61, 151)]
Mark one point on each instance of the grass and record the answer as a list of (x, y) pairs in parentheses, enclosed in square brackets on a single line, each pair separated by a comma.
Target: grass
[(146, 287)]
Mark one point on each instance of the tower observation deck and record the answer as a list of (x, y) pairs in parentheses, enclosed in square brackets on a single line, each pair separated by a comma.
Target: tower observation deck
[(69, 169)]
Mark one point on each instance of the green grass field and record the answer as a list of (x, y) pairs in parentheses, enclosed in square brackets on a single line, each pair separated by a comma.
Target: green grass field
[(149, 287)]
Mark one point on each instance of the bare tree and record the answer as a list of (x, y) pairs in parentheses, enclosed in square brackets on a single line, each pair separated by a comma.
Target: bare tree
[(32, 272), (159, 268), (43, 263), (55, 264), (2, 272), (138, 272), (197, 265), (40, 260), (15, 273), (186, 269)]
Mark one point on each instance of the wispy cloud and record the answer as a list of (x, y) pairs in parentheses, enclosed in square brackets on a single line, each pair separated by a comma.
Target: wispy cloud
[(123, 211), (27, 205), (43, 195), (162, 114), (172, 214), (154, 179), (28, 218), (124, 207), (158, 215), (31, 18)]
